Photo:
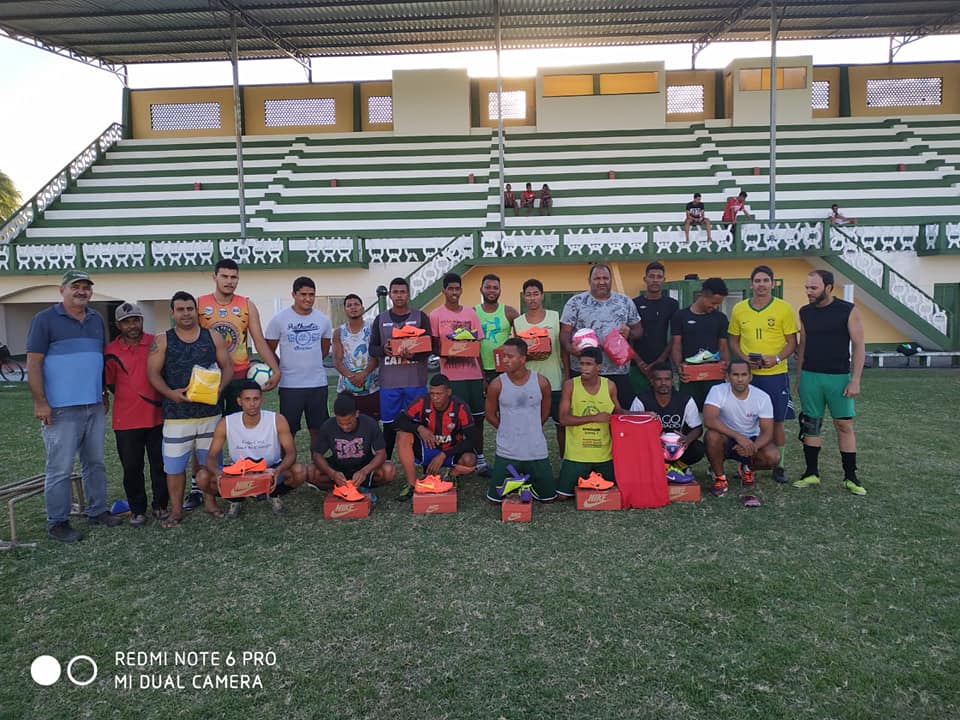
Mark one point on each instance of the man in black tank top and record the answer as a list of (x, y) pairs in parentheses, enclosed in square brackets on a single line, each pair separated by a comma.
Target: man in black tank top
[(678, 414), (187, 426), (830, 359)]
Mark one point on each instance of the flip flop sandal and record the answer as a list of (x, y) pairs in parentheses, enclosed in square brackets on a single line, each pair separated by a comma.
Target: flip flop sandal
[(216, 514), (170, 522)]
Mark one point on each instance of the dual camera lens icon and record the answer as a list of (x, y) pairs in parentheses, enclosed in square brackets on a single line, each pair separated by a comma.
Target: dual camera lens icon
[(46, 670)]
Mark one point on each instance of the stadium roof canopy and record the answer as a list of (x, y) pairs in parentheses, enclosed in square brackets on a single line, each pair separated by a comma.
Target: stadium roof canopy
[(122, 32)]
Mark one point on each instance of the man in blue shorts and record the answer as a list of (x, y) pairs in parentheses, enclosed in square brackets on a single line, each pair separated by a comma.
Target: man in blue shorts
[(403, 375), (739, 417), (436, 432)]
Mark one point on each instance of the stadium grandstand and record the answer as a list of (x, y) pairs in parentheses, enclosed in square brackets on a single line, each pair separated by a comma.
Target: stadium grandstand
[(357, 182)]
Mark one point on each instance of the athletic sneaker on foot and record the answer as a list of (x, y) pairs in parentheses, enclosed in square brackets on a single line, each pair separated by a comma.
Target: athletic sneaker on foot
[(194, 499), (279, 509), (807, 481), (855, 487), (233, 512), (746, 475), (780, 475), (720, 486), (406, 492), (105, 519), (63, 532), (482, 469), (138, 521)]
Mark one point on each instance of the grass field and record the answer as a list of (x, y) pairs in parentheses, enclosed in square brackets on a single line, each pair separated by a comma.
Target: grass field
[(818, 605)]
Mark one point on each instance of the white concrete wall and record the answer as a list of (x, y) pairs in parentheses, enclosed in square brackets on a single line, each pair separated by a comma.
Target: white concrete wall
[(752, 107), (427, 102), (926, 271), (602, 112)]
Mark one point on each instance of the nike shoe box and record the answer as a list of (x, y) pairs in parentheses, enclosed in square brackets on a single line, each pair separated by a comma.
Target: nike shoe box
[(420, 344), (598, 499), (685, 492), (534, 345), (703, 371), (512, 510), (435, 503), (335, 508), (459, 348)]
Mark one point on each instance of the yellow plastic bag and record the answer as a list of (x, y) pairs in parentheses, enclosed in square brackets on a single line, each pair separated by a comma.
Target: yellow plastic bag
[(204, 385)]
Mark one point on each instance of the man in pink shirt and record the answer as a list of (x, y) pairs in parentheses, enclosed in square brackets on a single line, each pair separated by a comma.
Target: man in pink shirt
[(137, 414), (465, 373)]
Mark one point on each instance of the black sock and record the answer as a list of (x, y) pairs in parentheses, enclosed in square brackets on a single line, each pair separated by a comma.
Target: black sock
[(389, 437), (812, 455), (849, 460)]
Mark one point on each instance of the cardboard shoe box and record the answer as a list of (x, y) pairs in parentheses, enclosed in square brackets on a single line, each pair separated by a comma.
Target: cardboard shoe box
[(688, 492), (419, 344), (435, 503), (598, 499), (459, 348), (534, 345), (704, 371), (512, 510), (335, 508)]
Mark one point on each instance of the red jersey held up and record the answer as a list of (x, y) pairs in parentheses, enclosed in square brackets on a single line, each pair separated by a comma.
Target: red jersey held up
[(638, 461)]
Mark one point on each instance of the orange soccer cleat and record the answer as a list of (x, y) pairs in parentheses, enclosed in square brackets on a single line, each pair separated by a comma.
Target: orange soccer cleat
[(407, 331), (348, 492), (594, 482), (246, 465), (432, 484)]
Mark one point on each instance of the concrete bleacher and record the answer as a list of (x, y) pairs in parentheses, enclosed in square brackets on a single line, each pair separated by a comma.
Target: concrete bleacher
[(389, 186), (383, 184)]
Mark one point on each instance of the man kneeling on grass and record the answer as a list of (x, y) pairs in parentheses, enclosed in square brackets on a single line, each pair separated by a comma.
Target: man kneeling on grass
[(435, 431), (739, 417), (518, 404), (252, 434), (586, 404), (358, 454)]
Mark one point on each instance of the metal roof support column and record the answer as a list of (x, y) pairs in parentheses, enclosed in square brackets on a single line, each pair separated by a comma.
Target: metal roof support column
[(773, 110), (499, 114), (238, 122)]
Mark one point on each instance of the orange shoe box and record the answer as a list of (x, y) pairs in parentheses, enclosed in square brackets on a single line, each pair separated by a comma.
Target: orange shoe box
[(335, 508), (459, 348), (512, 510), (435, 503), (598, 499), (534, 345), (704, 371), (689, 492), (419, 344)]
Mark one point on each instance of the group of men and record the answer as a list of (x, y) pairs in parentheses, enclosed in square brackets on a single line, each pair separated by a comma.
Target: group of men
[(384, 402)]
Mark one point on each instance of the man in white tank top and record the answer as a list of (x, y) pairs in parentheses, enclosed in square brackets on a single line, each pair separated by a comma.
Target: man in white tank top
[(252, 433)]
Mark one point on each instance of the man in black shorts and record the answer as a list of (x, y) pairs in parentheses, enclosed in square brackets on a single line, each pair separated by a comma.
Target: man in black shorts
[(435, 431), (357, 450)]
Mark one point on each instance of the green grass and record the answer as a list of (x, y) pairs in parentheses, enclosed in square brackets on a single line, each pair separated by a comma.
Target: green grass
[(817, 605)]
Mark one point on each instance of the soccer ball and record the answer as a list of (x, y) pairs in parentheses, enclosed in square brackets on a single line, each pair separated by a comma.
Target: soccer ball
[(260, 373), (672, 449), (585, 338)]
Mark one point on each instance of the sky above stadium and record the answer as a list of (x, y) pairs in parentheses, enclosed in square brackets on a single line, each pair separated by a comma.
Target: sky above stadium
[(54, 107)]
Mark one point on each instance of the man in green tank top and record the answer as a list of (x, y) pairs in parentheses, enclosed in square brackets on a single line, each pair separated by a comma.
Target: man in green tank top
[(497, 322)]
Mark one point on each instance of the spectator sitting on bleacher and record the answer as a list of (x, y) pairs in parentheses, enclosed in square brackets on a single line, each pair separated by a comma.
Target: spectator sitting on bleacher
[(510, 200), (696, 216), (528, 198), (546, 200), (737, 206), (837, 218)]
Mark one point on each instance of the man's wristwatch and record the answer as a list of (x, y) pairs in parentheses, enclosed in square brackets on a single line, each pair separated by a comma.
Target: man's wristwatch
[(778, 359)]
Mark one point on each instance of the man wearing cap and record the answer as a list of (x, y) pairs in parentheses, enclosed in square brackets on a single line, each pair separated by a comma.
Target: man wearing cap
[(65, 365), (137, 415)]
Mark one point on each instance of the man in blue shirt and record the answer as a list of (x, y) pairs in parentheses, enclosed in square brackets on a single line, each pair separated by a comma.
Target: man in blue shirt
[(65, 365)]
